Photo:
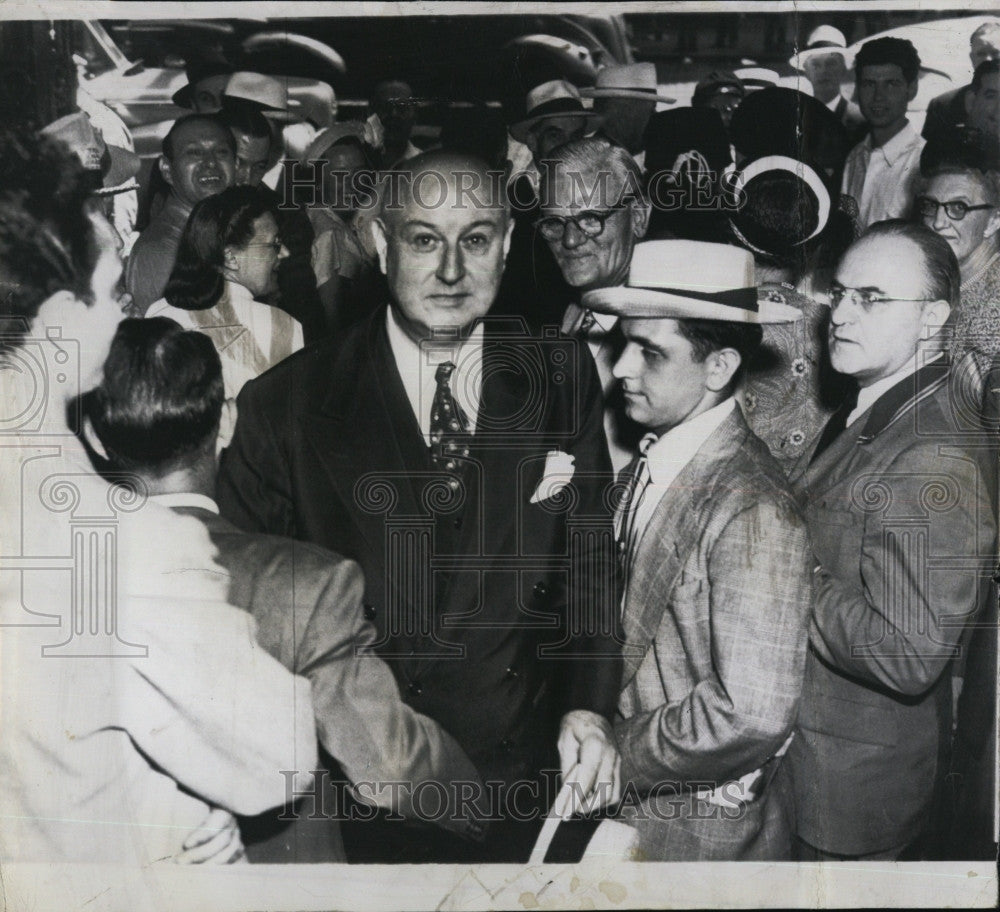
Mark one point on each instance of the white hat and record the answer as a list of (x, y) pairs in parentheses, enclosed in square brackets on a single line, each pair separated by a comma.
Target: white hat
[(692, 280), (823, 40), (556, 98), (266, 92), (633, 80), (755, 77)]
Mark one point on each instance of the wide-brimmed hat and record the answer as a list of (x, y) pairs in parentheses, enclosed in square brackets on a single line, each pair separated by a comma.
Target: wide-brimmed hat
[(117, 166), (555, 98), (755, 77), (633, 80), (689, 280), (823, 40), (196, 70), (787, 177), (266, 93)]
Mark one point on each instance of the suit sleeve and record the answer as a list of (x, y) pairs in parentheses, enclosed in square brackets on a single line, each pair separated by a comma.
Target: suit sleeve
[(386, 749), (252, 488), (592, 613), (928, 536), (738, 715)]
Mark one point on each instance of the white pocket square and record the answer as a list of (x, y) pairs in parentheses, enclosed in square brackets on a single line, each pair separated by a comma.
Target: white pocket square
[(557, 474)]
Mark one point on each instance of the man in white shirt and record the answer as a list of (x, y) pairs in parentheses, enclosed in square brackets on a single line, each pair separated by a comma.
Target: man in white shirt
[(716, 566), (902, 525), (881, 170)]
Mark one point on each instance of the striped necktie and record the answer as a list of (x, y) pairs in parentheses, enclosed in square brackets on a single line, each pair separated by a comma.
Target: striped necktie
[(636, 482)]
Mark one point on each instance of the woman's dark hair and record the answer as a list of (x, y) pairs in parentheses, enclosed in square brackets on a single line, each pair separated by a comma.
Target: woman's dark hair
[(707, 336), (161, 396), (47, 241), (778, 213), (217, 222)]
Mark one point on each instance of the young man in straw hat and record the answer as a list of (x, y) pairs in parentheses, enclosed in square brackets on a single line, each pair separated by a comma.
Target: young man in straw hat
[(716, 566)]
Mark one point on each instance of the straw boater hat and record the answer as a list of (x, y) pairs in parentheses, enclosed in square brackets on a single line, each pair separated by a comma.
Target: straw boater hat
[(823, 40), (633, 80), (755, 77), (692, 280), (556, 98), (267, 94), (117, 166)]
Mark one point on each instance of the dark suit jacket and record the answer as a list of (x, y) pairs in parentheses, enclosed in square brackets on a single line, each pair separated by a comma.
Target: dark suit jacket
[(902, 523), (716, 625), (945, 113), (308, 606), (490, 609)]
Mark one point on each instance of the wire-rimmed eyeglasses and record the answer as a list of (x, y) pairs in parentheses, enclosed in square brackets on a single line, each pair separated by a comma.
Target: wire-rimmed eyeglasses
[(866, 298)]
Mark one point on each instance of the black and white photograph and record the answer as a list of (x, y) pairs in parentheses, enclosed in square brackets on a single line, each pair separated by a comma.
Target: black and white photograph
[(483, 456)]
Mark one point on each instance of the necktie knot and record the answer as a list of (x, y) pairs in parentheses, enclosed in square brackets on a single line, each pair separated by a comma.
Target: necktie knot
[(444, 371)]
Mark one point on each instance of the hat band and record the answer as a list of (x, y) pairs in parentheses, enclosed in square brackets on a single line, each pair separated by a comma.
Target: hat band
[(743, 298), (817, 45), (558, 106)]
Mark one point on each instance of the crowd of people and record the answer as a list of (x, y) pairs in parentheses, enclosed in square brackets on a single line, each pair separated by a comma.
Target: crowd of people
[(620, 464)]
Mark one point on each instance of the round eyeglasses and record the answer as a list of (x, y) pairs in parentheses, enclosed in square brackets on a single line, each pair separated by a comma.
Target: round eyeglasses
[(589, 223), (956, 210), (866, 298)]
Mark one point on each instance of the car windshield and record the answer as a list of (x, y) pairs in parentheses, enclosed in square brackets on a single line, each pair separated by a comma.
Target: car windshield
[(93, 44)]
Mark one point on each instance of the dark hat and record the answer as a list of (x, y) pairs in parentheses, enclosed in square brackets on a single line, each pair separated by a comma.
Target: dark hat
[(555, 98), (782, 121), (196, 70), (717, 82)]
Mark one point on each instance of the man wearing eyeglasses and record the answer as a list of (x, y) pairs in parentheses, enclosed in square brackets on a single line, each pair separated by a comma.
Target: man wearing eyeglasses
[(903, 530), (593, 211)]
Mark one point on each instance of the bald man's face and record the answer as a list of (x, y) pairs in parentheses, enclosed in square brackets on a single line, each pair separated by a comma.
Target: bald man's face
[(443, 256)]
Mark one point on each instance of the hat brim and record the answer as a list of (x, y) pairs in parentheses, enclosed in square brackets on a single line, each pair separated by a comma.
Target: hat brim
[(637, 94), (183, 97), (797, 60), (647, 303), (522, 128)]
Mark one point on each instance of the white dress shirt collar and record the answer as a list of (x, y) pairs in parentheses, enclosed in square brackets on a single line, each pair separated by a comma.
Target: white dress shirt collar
[(186, 499), (833, 102), (869, 395), (417, 364), (896, 147), (675, 449)]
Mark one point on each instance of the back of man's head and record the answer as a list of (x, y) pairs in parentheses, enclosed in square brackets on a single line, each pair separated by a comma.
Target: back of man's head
[(158, 407), (889, 51), (244, 117)]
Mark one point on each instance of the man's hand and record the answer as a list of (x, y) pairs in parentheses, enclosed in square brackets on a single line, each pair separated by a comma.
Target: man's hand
[(590, 763), (216, 841)]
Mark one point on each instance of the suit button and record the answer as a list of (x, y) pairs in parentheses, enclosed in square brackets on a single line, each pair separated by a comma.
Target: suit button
[(506, 745), (369, 612), (457, 523), (540, 590), (511, 673), (415, 689)]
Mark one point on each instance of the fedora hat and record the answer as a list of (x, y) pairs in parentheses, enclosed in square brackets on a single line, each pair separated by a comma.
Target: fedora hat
[(689, 280), (267, 94), (555, 98), (633, 80), (823, 40), (118, 167), (196, 70)]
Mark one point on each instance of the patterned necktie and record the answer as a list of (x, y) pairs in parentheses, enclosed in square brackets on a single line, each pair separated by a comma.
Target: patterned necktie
[(837, 423), (449, 426), (635, 488)]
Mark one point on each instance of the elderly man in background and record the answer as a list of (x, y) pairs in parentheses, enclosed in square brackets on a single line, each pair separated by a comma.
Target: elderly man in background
[(950, 109), (881, 169), (897, 497), (825, 64), (593, 211), (198, 161)]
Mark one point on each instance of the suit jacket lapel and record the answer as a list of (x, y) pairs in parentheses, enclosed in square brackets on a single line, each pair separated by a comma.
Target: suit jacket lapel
[(676, 520)]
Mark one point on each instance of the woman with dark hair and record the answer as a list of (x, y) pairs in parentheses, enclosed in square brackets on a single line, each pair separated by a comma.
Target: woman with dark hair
[(344, 257), (125, 738), (226, 263)]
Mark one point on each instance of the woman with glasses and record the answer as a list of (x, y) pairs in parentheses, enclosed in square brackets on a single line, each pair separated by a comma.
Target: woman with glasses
[(959, 198), (226, 265)]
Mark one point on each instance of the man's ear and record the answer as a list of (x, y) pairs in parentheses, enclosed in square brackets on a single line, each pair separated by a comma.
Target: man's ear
[(508, 234), (165, 172), (229, 260), (912, 91), (935, 315), (993, 225), (640, 210), (722, 366), (381, 237)]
